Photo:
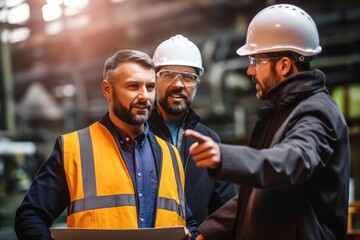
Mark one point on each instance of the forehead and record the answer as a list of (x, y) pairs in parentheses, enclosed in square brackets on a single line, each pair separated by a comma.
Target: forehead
[(135, 71), (179, 68)]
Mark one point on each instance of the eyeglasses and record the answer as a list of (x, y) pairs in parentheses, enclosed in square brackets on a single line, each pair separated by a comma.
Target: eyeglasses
[(256, 61), (188, 79)]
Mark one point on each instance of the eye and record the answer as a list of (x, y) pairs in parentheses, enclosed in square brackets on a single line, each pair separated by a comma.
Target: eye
[(166, 74), (133, 86), (150, 87), (185, 76), (188, 77)]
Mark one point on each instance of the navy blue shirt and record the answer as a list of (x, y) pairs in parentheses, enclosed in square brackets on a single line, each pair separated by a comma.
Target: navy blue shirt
[(140, 162)]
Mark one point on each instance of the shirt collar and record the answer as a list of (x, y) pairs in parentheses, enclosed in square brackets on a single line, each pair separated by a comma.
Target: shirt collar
[(124, 138)]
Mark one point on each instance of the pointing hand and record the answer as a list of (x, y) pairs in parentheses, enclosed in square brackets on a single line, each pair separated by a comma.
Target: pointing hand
[(205, 151)]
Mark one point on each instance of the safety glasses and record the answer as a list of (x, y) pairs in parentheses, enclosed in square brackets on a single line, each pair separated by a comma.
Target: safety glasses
[(257, 61), (188, 79)]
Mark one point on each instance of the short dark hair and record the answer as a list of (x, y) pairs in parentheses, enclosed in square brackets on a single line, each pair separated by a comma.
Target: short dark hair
[(124, 56)]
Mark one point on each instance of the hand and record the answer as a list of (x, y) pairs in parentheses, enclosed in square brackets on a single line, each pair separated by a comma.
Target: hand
[(188, 234), (205, 151), (200, 237)]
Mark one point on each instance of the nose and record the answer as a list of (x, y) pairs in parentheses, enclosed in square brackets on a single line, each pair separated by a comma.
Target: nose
[(144, 93), (251, 71), (179, 81)]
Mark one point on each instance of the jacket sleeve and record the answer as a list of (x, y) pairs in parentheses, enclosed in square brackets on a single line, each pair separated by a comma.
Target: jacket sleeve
[(191, 224), (220, 224), (45, 200), (222, 193), (306, 147)]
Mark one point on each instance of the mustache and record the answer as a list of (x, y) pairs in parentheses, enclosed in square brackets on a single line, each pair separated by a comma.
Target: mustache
[(177, 92), (146, 104)]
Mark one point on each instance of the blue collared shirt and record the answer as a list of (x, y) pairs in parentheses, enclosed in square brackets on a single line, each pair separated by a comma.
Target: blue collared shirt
[(141, 164)]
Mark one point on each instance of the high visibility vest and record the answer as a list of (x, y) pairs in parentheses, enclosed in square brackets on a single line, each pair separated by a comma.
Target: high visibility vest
[(102, 194)]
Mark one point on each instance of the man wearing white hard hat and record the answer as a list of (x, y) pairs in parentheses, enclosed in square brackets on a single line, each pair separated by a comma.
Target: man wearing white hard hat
[(178, 69), (294, 175)]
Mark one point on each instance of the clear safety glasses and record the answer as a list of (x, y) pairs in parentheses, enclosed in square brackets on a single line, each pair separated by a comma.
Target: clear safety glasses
[(188, 79), (257, 61)]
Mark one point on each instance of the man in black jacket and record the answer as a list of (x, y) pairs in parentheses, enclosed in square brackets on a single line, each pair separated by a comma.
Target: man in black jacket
[(294, 176), (178, 68)]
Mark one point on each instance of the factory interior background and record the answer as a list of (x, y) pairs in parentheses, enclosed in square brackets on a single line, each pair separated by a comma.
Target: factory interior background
[(52, 54)]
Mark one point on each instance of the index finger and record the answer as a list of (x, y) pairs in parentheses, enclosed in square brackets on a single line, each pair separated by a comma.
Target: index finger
[(197, 137)]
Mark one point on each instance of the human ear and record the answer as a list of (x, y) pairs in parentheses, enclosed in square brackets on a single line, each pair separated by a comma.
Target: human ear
[(286, 66), (106, 88)]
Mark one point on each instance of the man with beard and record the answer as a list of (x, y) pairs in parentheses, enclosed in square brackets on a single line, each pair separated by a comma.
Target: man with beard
[(178, 68), (294, 175), (115, 173)]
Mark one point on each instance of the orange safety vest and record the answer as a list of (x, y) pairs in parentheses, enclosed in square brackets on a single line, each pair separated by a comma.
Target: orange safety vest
[(100, 186)]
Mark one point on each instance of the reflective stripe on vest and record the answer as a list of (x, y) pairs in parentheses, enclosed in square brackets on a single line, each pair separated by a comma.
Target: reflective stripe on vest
[(163, 217), (89, 203)]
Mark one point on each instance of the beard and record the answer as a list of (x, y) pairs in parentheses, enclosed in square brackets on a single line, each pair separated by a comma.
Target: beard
[(268, 83), (126, 115), (175, 109)]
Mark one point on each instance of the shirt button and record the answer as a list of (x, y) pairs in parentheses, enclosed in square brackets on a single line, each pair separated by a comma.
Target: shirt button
[(127, 139), (139, 174), (141, 219), (140, 195)]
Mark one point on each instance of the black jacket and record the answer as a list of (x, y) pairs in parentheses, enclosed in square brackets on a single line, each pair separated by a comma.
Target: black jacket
[(203, 194), (295, 176)]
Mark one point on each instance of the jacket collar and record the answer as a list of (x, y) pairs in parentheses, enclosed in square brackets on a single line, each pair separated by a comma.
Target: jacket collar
[(296, 88), (190, 119)]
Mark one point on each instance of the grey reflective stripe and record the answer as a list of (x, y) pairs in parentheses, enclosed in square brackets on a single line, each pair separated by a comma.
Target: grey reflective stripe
[(102, 202), (171, 205), (181, 208), (87, 163)]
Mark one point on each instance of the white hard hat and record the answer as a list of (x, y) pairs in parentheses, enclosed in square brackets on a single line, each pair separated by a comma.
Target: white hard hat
[(178, 50), (282, 27)]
